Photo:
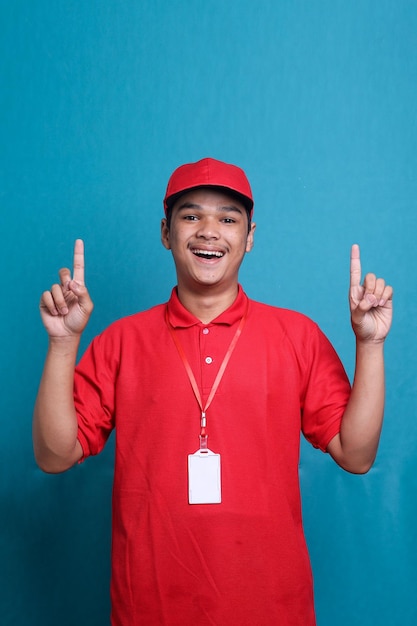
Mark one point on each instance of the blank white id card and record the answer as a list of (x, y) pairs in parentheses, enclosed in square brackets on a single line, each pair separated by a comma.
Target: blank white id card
[(204, 482)]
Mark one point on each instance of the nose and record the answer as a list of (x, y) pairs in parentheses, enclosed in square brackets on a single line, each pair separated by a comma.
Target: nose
[(208, 228)]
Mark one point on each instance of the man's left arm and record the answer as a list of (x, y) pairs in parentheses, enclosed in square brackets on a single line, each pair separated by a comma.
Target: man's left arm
[(355, 447)]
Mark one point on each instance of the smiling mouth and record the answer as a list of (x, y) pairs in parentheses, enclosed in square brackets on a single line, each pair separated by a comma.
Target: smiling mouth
[(207, 254)]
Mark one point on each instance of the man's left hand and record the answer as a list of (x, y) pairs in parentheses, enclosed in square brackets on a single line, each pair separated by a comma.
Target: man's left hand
[(370, 303)]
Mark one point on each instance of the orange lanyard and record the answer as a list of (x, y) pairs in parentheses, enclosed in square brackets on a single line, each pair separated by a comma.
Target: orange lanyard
[(203, 434)]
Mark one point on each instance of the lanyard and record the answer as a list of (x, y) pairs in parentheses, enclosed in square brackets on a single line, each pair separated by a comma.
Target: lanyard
[(174, 334)]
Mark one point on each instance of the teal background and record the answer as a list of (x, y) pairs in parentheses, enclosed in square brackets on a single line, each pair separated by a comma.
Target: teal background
[(100, 101)]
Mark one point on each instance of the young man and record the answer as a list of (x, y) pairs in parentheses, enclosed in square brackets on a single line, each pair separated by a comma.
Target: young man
[(208, 394)]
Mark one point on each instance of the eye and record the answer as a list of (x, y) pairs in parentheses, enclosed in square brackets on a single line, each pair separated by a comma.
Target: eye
[(190, 218), (228, 220)]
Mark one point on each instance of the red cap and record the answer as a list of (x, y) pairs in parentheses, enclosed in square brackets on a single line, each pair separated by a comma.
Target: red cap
[(209, 173)]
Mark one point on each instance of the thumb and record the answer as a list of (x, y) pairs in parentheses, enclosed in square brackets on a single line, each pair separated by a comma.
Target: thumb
[(77, 288), (81, 291)]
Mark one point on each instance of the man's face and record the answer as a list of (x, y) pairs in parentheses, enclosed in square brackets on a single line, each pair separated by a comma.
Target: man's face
[(208, 237)]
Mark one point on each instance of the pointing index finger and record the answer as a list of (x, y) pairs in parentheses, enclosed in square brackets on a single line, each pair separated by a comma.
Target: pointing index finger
[(79, 264), (355, 266)]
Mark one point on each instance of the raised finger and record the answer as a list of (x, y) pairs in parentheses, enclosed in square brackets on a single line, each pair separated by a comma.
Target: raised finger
[(355, 266), (79, 263)]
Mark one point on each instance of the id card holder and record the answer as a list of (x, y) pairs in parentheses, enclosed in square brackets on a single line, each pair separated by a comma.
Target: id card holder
[(204, 483)]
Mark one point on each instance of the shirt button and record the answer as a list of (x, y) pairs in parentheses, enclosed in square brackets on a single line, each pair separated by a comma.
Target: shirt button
[(205, 331), (208, 360)]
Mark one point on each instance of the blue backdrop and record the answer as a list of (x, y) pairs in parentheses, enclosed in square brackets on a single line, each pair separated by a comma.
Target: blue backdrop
[(100, 101)]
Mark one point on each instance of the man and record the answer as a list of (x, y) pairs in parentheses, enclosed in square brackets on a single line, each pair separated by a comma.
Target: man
[(208, 394)]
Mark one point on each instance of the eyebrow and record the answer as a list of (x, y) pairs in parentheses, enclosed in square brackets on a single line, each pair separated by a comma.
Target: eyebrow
[(225, 208)]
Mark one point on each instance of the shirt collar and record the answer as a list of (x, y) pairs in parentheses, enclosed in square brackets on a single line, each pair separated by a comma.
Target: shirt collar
[(180, 317)]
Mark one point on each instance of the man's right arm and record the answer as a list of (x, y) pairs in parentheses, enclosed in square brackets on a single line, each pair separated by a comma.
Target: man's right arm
[(65, 311), (55, 427)]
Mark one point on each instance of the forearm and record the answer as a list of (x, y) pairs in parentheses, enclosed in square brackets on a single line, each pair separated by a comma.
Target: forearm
[(356, 446), (55, 427)]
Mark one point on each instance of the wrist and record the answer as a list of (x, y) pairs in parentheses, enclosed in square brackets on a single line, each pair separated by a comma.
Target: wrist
[(64, 345), (369, 346)]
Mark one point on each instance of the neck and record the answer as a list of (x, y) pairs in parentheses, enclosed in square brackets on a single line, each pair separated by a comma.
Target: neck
[(208, 304)]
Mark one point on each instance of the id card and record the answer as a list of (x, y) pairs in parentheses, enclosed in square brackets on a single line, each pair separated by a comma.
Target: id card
[(204, 483)]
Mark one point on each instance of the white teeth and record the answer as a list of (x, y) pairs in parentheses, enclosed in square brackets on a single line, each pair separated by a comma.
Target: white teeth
[(208, 253)]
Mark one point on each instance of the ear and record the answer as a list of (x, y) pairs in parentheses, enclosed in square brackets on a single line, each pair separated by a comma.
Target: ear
[(250, 237), (165, 234)]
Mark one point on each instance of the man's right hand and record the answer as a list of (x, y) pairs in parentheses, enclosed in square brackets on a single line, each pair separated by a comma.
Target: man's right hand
[(66, 308)]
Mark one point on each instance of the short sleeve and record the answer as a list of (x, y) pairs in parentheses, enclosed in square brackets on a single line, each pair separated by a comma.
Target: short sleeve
[(326, 391), (94, 394)]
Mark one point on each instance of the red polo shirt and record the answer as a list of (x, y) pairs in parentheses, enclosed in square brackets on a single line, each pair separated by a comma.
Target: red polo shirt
[(243, 561)]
